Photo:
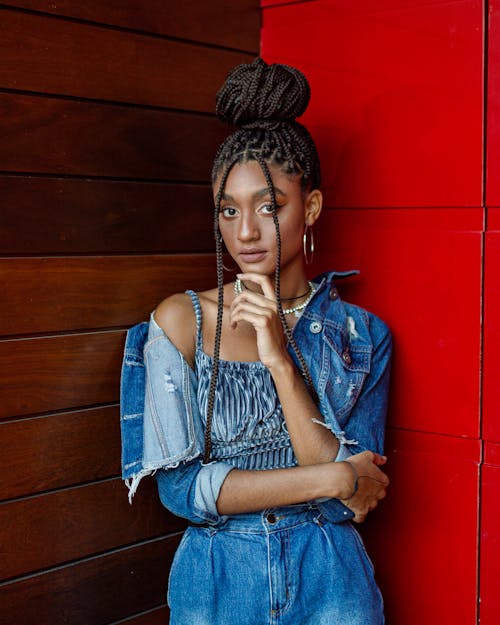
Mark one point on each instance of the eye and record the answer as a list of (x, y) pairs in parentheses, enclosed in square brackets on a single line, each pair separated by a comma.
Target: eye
[(267, 209), (229, 211)]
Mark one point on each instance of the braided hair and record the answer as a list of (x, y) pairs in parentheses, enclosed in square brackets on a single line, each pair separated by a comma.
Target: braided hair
[(262, 101)]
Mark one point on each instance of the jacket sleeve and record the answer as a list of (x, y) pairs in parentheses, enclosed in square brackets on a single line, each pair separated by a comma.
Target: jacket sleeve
[(191, 490), (173, 434), (365, 426), (366, 422)]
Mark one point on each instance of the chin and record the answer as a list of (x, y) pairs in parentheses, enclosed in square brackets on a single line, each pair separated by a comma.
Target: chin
[(257, 268)]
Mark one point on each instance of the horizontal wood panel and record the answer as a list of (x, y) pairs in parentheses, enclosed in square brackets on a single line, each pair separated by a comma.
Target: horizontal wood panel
[(155, 617), (60, 372), (220, 22), (93, 592), (42, 54), (60, 215), (57, 136), (51, 294), (59, 450), (47, 530)]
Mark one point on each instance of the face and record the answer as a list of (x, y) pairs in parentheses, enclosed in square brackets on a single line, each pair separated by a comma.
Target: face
[(246, 221)]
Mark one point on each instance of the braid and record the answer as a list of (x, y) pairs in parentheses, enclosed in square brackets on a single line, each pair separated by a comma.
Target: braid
[(218, 328), (277, 287), (264, 101), (259, 91), (287, 144)]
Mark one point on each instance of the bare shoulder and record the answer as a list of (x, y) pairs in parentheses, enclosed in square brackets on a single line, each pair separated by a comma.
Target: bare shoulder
[(209, 297), (176, 317)]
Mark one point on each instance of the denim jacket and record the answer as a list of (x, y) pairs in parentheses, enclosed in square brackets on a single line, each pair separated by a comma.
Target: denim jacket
[(348, 352)]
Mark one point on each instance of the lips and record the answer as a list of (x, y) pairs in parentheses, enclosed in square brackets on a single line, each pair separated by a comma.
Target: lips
[(252, 255)]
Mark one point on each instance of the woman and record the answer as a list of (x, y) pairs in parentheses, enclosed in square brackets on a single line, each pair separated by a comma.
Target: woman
[(265, 398)]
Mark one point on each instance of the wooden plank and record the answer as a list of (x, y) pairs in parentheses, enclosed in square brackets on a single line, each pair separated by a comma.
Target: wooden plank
[(219, 22), (93, 592), (49, 135), (59, 294), (59, 450), (59, 372), (63, 57), (155, 617), (48, 530), (60, 215)]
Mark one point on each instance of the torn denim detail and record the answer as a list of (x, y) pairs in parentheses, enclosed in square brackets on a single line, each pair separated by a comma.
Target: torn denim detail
[(351, 327), (339, 434), (150, 468)]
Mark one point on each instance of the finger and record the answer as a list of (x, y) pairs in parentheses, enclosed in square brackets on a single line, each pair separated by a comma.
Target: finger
[(258, 320), (235, 315), (255, 298), (262, 280), (369, 455), (379, 460)]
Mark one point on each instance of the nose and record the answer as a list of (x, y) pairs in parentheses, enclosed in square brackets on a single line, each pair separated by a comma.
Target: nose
[(248, 229)]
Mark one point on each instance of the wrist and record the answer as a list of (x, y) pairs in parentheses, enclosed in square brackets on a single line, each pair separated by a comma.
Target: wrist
[(282, 368), (354, 479)]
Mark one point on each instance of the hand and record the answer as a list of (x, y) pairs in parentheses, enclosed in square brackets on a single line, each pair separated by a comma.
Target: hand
[(261, 311), (372, 484)]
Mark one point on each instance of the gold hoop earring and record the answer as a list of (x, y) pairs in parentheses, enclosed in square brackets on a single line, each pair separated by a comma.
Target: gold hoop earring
[(308, 255), (230, 269)]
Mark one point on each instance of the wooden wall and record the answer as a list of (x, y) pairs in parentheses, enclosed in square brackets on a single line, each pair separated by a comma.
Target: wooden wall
[(106, 142)]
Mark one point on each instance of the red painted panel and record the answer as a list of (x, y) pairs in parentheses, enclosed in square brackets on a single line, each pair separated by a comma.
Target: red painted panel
[(397, 96), (491, 386), (270, 3), (421, 272), (493, 117), (490, 537), (423, 537)]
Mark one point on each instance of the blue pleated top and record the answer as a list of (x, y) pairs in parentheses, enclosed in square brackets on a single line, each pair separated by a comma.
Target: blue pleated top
[(248, 427)]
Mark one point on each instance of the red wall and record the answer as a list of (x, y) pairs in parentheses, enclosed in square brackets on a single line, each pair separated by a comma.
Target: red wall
[(490, 482), (398, 115)]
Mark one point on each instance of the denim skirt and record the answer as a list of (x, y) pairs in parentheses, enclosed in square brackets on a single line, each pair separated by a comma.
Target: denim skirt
[(282, 566)]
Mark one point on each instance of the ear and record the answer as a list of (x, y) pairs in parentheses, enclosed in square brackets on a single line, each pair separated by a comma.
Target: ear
[(313, 205)]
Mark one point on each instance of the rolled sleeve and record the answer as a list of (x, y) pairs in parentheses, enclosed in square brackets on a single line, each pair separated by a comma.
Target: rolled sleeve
[(208, 484), (191, 490)]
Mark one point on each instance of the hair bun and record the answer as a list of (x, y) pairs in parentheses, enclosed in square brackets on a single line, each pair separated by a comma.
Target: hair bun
[(258, 93)]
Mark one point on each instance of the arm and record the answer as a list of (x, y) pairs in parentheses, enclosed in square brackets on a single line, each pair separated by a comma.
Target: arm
[(206, 493), (251, 491), (312, 443)]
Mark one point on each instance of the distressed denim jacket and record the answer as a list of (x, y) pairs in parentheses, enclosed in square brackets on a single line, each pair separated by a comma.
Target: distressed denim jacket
[(348, 352)]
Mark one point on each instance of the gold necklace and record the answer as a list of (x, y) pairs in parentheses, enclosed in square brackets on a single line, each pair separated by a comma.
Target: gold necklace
[(239, 287)]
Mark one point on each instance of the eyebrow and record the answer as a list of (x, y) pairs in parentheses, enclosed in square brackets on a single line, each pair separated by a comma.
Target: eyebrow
[(257, 195)]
